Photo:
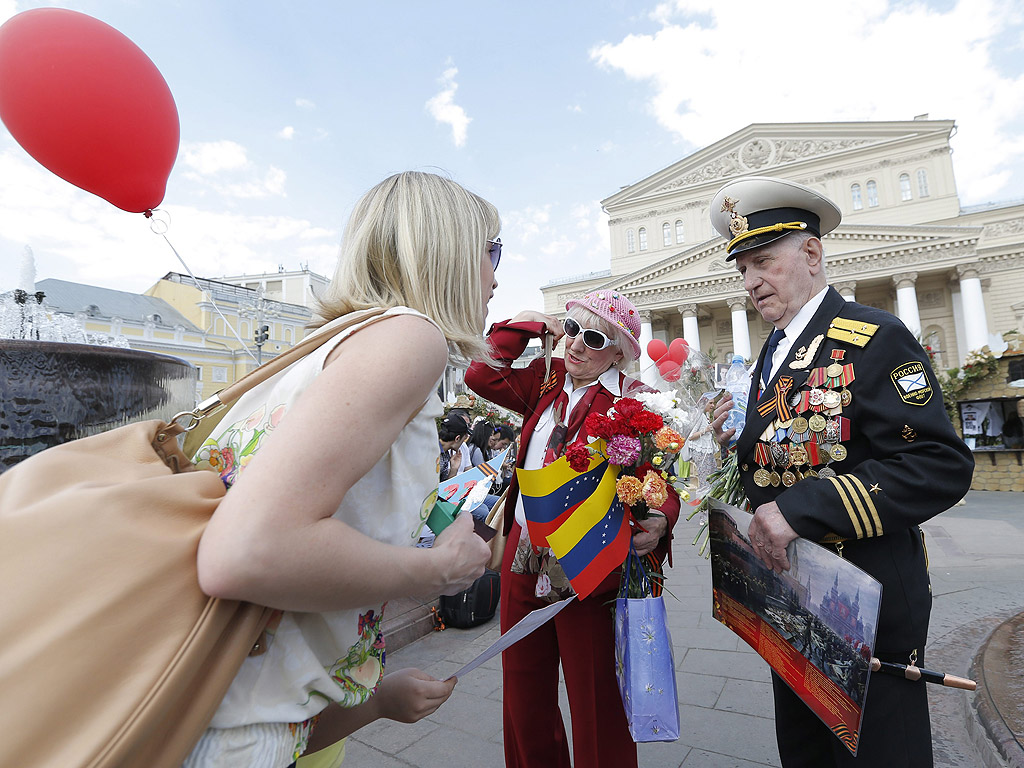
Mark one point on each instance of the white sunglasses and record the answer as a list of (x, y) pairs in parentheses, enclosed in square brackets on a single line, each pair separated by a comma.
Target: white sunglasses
[(594, 339)]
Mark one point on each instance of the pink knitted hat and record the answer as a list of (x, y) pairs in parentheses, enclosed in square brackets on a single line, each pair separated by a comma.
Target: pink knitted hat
[(616, 309)]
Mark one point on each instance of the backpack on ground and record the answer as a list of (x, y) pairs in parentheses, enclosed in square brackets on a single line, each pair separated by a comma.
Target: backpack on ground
[(472, 606)]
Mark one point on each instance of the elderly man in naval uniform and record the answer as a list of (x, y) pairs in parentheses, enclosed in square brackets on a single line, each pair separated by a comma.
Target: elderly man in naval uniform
[(846, 443)]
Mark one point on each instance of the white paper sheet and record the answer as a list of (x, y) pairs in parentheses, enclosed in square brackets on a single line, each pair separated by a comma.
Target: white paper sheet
[(523, 627)]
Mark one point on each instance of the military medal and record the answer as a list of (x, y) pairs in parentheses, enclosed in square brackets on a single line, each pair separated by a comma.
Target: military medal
[(816, 398), (780, 454), (817, 422), (826, 472), (845, 397), (762, 477), (798, 427), (788, 478), (775, 479), (831, 399), (834, 371), (795, 398), (798, 456), (838, 452)]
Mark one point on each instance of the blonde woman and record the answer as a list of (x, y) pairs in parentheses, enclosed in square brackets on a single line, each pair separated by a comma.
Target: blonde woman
[(330, 462)]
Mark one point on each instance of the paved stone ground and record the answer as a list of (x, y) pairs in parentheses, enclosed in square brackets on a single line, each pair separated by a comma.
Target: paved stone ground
[(725, 694)]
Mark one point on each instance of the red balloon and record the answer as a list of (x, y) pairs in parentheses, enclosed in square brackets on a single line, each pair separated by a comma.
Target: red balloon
[(88, 104), (670, 371), (678, 351), (656, 349)]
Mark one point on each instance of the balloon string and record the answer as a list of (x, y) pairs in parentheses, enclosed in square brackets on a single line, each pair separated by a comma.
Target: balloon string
[(195, 280)]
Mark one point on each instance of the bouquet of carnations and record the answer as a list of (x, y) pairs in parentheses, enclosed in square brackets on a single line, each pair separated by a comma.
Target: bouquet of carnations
[(644, 436)]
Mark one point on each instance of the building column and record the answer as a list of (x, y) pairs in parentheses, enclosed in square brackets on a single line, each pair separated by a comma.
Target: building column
[(690, 331), (847, 289), (906, 301), (646, 336), (740, 329), (958, 325), (975, 320)]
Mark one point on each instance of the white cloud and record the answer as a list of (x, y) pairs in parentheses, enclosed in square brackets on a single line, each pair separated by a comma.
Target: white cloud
[(224, 167), (288, 132), (713, 68), (574, 108), (80, 237), (212, 157), (442, 107), (304, 104)]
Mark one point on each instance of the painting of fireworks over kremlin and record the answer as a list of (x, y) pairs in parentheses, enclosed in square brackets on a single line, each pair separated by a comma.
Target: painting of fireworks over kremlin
[(814, 624)]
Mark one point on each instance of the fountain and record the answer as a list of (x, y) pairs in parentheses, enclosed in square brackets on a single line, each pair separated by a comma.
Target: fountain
[(59, 382)]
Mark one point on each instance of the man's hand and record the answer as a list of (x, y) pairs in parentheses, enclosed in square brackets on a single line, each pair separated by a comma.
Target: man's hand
[(718, 419), (770, 534), (646, 540)]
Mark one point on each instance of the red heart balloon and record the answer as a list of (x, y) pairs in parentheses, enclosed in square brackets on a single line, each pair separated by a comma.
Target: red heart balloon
[(88, 104), (656, 349), (669, 370), (678, 351)]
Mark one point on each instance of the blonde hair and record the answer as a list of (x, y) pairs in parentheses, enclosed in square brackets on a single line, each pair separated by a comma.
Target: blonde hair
[(416, 240), (588, 319)]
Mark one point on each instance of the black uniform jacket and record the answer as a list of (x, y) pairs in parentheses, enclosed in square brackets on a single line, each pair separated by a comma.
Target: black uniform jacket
[(899, 464)]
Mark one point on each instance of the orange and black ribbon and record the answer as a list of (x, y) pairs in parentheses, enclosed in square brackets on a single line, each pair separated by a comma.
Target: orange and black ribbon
[(778, 402)]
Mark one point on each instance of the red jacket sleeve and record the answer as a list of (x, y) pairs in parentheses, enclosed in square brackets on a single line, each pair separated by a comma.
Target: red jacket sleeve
[(517, 389)]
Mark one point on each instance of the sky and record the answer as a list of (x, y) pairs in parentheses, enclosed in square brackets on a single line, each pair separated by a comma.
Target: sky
[(289, 111)]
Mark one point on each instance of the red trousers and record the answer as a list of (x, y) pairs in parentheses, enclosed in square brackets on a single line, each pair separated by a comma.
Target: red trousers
[(582, 638)]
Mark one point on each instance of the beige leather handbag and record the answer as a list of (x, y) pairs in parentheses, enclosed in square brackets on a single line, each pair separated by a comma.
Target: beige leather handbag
[(110, 655)]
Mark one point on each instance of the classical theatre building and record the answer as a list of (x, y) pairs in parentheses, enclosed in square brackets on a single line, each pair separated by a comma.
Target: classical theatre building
[(954, 275)]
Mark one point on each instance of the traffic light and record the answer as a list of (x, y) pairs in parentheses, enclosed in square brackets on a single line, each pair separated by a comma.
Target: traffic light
[(262, 334)]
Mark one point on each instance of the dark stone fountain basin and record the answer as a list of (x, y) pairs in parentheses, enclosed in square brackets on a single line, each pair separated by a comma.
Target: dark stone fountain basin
[(52, 392)]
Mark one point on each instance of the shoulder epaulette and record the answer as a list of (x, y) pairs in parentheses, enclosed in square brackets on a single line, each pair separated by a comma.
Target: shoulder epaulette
[(855, 332)]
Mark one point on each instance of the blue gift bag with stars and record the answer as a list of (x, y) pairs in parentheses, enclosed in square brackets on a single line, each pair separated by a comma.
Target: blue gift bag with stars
[(644, 666)]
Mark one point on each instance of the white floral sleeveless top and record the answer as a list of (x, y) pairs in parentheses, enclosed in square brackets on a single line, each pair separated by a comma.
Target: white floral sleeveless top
[(314, 658)]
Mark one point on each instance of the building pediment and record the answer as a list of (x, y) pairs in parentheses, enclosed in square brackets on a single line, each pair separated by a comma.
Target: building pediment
[(762, 148)]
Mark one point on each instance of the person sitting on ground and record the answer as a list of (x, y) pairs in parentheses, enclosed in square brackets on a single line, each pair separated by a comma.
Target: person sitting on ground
[(452, 434)]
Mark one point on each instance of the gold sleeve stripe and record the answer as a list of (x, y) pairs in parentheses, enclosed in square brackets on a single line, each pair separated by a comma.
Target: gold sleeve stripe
[(849, 507), (868, 502), (852, 490)]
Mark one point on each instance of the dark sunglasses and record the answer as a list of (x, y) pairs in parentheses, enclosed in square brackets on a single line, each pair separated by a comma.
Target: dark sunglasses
[(593, 339), (494, 251)]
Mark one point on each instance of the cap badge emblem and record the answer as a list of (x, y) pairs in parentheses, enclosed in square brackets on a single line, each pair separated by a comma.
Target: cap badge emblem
[(738, 225)]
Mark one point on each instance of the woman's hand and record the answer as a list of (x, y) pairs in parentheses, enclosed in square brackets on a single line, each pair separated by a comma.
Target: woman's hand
[(460, 556), (553, 324), (646, 540), (720, 415), (409, 695)]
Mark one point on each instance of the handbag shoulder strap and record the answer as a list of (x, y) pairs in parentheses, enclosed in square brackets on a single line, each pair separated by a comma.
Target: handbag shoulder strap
[(256, 376)]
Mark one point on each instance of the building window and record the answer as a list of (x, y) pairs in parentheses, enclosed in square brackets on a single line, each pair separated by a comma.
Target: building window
[(905, 193), (680, 235), (858, 201), (630, 241), (666, 235), (872, 194), (220, 374), (199, 373), (288, 335), (922, 183), (642, 232)]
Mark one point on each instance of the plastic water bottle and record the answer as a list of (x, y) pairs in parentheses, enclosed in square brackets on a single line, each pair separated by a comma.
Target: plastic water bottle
[(737, 383)]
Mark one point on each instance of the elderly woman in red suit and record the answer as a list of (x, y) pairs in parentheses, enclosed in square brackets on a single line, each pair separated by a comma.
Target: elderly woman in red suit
[(601, 331)]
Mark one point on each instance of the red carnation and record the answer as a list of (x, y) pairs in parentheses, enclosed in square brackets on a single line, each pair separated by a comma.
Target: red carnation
[(599, 425), (578, 456), (645, 421), (627, 407)]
